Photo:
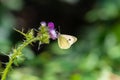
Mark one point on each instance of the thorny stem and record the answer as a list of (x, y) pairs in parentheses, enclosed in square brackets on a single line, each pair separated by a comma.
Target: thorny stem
[(14, 56)]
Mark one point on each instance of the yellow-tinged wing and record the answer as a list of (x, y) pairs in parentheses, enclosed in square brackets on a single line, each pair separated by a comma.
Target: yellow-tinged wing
[(65, 41)]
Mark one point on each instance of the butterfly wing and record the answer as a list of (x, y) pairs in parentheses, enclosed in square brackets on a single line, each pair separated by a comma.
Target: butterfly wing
[(70, 39), (65, 41)]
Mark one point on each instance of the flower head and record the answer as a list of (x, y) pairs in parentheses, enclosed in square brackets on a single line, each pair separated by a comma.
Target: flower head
[(51, 25), (52, 31), (43, 23), (50, 28)]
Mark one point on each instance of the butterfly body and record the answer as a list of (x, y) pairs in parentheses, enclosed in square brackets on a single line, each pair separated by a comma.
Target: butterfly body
[(65, 41)]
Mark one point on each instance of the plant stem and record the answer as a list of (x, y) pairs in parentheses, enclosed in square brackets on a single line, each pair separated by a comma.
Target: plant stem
[(14, 55)]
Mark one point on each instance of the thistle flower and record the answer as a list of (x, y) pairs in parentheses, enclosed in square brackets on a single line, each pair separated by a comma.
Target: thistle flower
[(43, 23), (51, 25), (52, 32)]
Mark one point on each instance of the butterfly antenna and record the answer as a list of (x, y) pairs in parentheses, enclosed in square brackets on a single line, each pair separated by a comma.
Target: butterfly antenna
[(58, 32), (59, 28)]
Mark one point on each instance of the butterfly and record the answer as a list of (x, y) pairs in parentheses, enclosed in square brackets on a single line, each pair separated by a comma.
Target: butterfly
[(65, 41)]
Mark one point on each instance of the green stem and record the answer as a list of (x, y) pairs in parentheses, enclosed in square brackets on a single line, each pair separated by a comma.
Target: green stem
[(14, 55)]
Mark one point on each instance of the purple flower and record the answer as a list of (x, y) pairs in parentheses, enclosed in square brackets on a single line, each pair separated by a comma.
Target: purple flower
[(43, 23), (51, 25), (52, 31)]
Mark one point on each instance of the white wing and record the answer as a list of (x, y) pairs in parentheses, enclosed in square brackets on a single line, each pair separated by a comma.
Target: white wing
[(65, 41), (70, 39)]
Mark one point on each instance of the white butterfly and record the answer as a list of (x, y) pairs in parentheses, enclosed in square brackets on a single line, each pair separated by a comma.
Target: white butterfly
[(65, 41)]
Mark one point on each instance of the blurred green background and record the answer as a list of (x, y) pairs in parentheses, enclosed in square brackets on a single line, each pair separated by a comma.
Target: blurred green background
[(95, 56)]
